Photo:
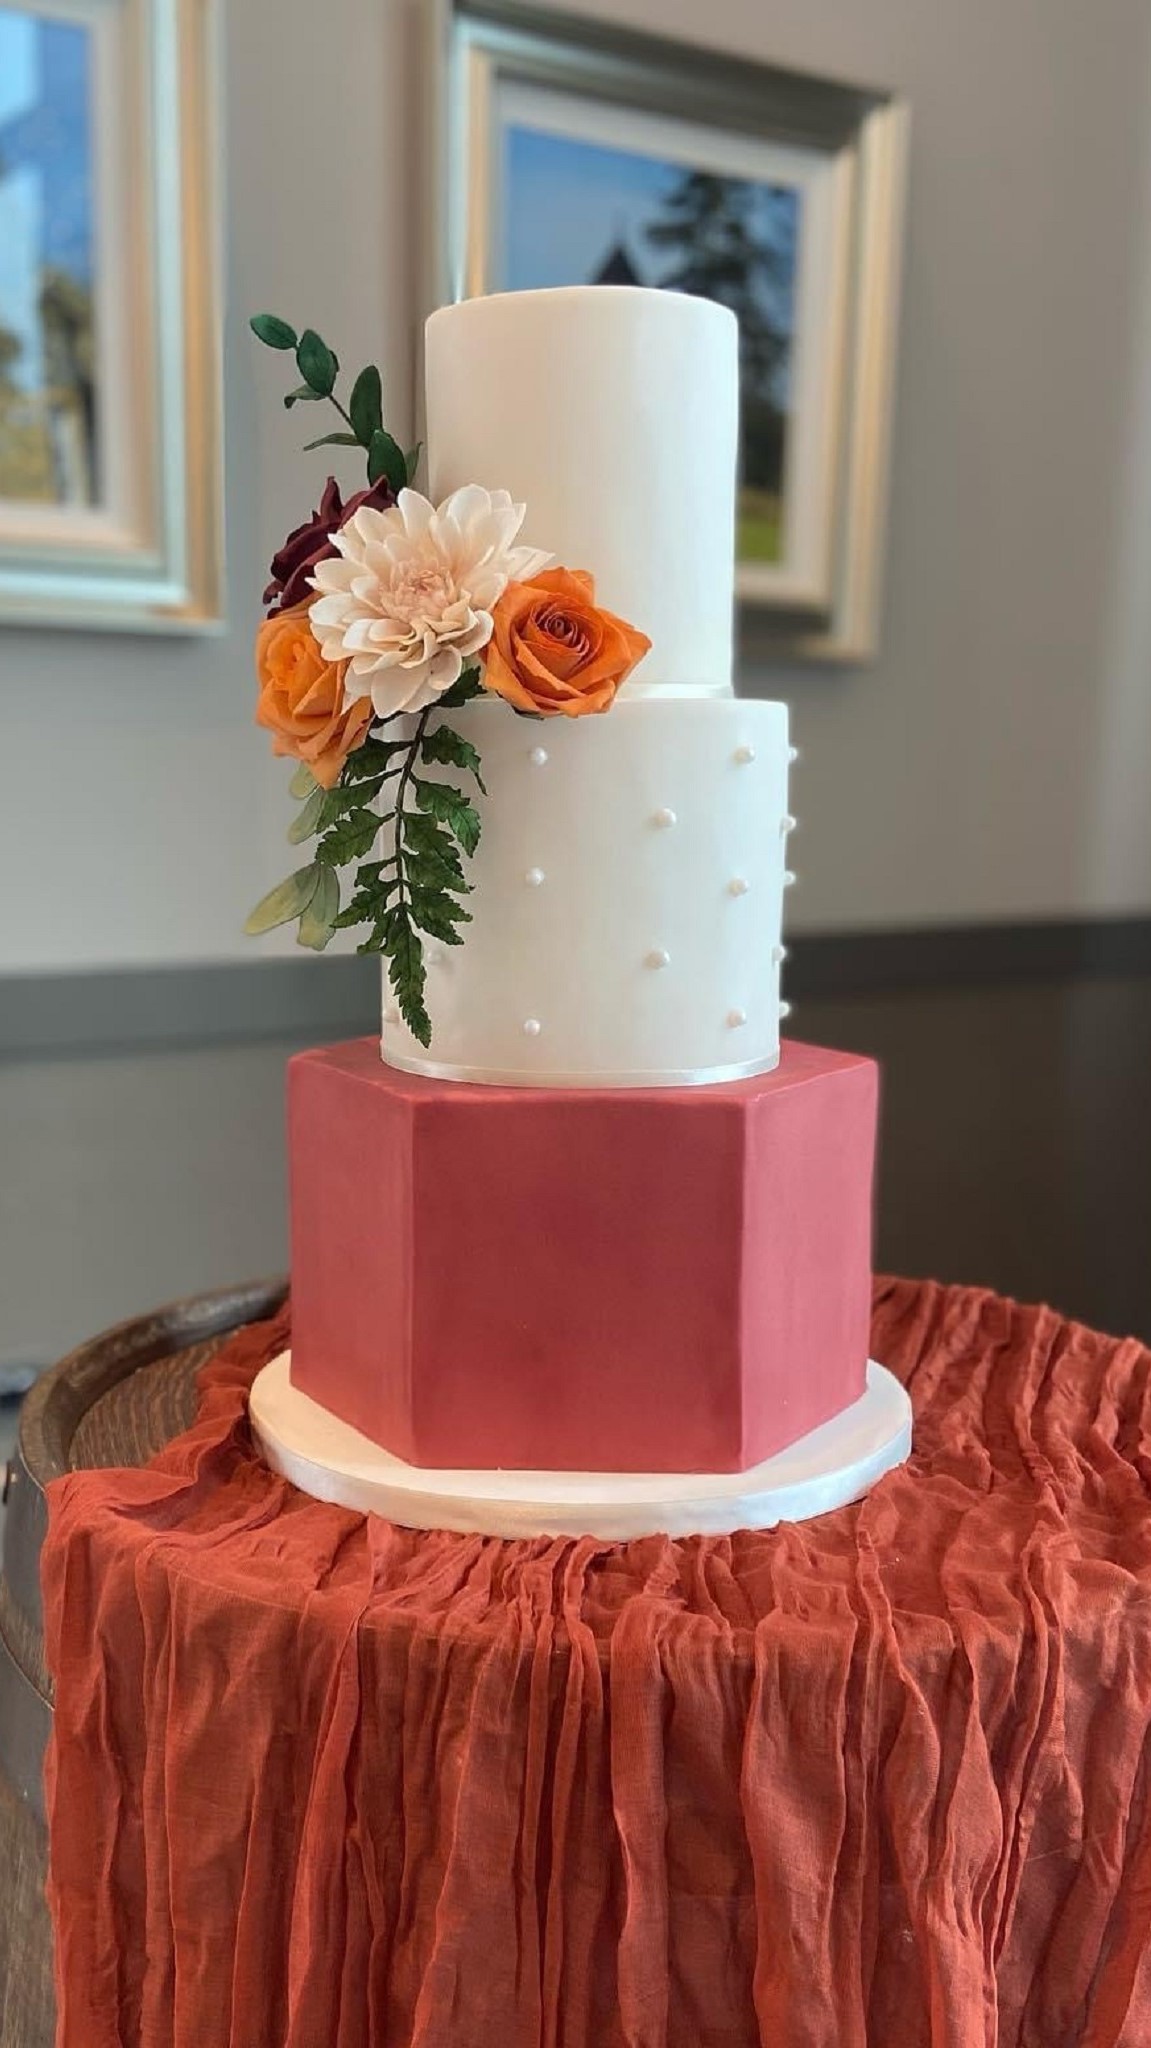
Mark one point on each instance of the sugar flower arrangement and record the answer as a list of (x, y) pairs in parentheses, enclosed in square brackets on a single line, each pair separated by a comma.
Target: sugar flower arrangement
[(384, 613)]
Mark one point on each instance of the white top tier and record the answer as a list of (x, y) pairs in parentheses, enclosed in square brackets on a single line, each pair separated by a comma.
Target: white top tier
[(611, 412)]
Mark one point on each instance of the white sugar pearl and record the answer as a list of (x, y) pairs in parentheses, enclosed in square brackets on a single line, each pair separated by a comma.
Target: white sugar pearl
[(788, 879), (744, 754), (793, 753), (658, 957), (735, 1018), (532, 1027), (785, 1009), (738, 886), (663, 816), (534, 877), (778, 953), (538, 757), (786, 824)]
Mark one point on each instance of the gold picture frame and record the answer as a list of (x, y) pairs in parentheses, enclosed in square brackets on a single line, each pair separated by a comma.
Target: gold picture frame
[(124, 532), (609, 98)]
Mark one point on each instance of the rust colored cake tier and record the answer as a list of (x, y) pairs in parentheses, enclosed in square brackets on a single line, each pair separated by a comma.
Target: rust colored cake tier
[(671, 1280)]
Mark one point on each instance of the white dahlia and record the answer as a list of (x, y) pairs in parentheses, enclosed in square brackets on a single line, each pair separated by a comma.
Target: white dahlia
[(409, 597)]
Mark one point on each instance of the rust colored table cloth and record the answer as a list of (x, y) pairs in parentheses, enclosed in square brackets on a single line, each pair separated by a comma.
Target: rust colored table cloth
[(882, 1778)]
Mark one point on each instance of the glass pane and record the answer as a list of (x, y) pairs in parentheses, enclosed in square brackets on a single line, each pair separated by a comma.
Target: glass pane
[(577, 212), (48, 397)]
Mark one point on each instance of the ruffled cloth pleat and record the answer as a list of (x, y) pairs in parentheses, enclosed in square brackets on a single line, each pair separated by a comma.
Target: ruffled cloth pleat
[(881, 1778)]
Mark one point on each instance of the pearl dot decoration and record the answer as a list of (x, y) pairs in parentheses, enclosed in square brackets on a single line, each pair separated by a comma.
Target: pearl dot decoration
[(778, 953), (538, 757), (785, 1009), (793, 753), (664, 816), (786, 824), (788, 879), (735, 1018), (738, 885), (534, 878), (658, 957), (532, 1027), (743, 755)]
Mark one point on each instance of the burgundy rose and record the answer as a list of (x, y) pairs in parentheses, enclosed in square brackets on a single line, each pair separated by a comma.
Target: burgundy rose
[(312, 542)]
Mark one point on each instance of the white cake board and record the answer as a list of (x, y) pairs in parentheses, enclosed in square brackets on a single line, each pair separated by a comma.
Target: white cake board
[(834, 1464)]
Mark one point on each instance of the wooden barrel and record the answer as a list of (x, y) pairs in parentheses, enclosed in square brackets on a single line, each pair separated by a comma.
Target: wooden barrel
[(116, 1401)]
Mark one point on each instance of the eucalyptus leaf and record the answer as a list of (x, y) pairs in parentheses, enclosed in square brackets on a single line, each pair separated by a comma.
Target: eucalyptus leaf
[(302, 783), (412, 460), (386, 459), (316, 363), (318, 920), (365, 407), (307, 819), (331, 441), (274, 332), (304, 395), (287, 900)]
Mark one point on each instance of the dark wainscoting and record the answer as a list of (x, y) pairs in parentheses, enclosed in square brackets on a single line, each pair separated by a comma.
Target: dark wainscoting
[(1016, 1131)]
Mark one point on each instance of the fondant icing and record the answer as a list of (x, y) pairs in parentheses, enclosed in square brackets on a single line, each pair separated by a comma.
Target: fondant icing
[(656, 1280), (577, 402), (628, 838)]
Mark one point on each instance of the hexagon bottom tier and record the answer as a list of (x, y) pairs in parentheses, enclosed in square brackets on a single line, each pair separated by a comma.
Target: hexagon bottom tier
[(653, 1280)]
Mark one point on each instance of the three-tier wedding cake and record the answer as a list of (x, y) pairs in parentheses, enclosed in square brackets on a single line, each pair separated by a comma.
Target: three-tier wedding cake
[(589, 1246)]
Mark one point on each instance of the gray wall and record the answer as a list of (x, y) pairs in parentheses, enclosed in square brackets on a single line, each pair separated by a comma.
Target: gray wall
[(994, 762)]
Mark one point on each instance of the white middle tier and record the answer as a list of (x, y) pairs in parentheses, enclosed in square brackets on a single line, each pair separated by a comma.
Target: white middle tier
[(627, 900)]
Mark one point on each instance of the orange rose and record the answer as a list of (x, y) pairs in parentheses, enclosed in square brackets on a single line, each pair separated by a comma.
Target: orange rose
[(302, 697), (554, 651)]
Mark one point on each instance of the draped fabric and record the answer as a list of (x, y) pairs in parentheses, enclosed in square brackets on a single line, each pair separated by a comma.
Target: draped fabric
[(881, 1778)]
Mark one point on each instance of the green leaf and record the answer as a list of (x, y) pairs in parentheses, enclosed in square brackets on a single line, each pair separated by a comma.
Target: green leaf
[(318, 921), (444, 745), (424, 837), (287, 900), (307, 819), (275, 333), (331, 441), (444, 802), (437, 871), (372, 757), (407, 975), (359, 797), (365, 909), (302, 783), (299, 396), (386, 459), (438, 914), (365, 406), (316, 362), (412, 459), (348, 838), (466, 686)]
